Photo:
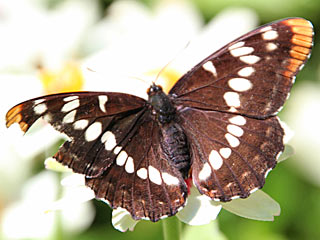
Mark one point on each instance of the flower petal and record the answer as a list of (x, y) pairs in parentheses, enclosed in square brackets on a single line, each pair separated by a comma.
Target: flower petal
[(199, 209), (72, 196), (259, 206), (288, 152), (122, 220), (51, 164)]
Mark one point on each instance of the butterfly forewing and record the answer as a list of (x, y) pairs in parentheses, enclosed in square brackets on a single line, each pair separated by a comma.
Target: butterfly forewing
[(251, 75), (90, 119)]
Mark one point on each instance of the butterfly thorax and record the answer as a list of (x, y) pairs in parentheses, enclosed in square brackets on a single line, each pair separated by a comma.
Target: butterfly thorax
[(161, 104), (174, 142)]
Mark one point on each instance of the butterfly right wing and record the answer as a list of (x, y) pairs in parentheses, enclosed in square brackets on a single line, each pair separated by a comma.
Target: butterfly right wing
[(94, 122), (116, 144)]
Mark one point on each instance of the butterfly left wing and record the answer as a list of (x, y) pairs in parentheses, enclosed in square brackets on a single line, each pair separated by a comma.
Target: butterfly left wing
[(253, 74), (232, 154), (228, 102)]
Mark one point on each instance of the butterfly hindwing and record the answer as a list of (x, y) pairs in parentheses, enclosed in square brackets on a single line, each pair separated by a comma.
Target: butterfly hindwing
[(251, 75), (231, 153), (141, 180)]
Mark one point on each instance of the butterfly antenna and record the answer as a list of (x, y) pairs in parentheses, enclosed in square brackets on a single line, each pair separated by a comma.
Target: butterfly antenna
[(140, 79), (168, 63), (134, 77)]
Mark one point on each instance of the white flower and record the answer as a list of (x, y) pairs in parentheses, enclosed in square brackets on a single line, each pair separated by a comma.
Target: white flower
[(138, 43), (32, 34), (303, 115), (29, 217)]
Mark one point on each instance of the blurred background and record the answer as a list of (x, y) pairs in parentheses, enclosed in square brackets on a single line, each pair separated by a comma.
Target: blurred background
[(49, 46)]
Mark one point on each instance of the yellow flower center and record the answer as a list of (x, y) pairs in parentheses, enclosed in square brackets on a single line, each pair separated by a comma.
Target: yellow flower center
[(167, 78), (67, 79)]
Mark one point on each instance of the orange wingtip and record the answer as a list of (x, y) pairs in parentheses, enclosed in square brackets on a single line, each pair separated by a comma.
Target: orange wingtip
[(294, 65), (298, 22), (302, 40), (14, 116), (297, 55)]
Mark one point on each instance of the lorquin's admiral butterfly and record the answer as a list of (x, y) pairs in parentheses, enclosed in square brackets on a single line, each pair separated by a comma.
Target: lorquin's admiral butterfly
[(218, 123)]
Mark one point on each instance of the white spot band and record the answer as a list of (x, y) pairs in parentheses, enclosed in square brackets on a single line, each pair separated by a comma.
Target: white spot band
[(240, 84)]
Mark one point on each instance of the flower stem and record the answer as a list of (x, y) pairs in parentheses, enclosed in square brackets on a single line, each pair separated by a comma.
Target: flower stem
[(171, 228)]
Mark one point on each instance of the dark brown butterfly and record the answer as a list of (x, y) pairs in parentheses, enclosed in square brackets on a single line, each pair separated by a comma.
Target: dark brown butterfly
[(218, 123)]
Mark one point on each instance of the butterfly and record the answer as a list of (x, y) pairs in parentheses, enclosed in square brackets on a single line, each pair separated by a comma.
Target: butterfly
[(217, 125)]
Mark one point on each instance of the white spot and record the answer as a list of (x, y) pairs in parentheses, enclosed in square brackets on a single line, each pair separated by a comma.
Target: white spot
[(232, 99), (232, 140), (235, 130), (81, 124), (121, 158), (235, 197), (250, 59), (117, 150), (271, 47), (246, 71), (164, 216), (268, 28), (169, 179), (69, 118), (142, 173), (70, 98), (238, 120), (241, 51), (208, 66), (240, 84), (70, 105), (278, 155), (236, 45), (93, 131), (41, 108), (154, 175), (232, 109), (38, 101), (225, 152), (109, 139), (270, 35), (47, 117), (129, 167), (267, 172), (215, 160), (205, 172), (253, 190), (102, 101)]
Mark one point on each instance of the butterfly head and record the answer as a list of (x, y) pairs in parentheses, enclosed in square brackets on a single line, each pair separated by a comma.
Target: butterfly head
[(154, 89)]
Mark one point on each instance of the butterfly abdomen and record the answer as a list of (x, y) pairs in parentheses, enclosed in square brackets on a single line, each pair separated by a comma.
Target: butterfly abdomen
[(175, 146)]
